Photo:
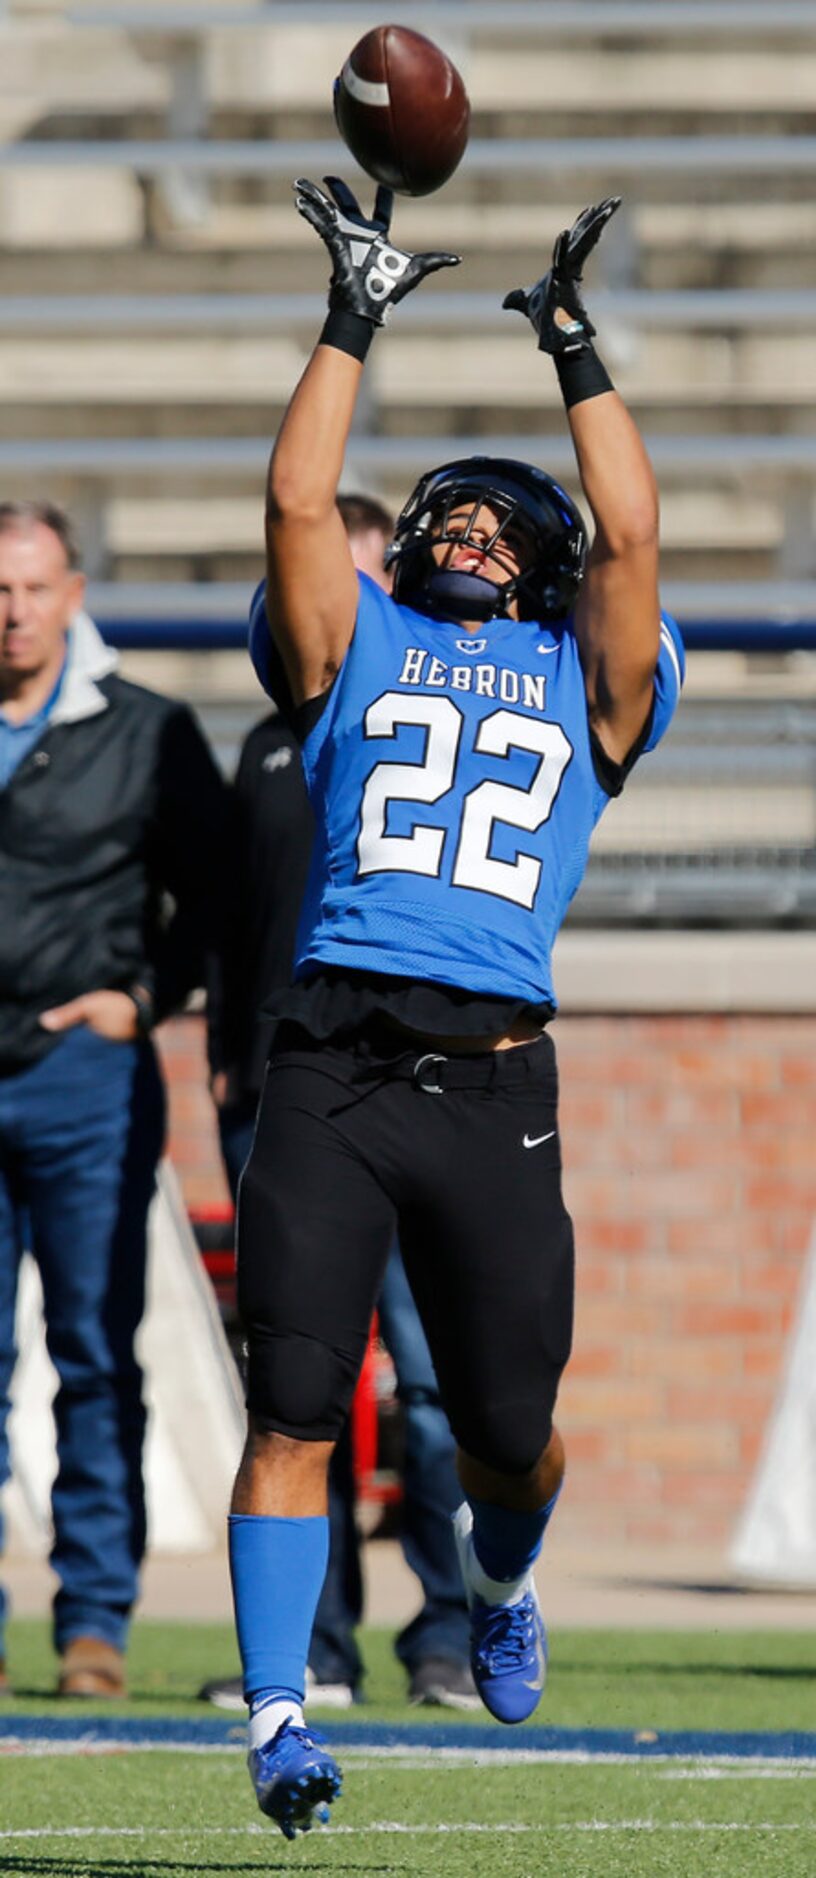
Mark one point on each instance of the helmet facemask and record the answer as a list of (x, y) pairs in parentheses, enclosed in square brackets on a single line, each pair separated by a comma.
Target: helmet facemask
[(528, 510)]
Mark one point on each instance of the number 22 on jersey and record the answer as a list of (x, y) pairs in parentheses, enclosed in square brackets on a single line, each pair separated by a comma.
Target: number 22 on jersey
[(483, 805)]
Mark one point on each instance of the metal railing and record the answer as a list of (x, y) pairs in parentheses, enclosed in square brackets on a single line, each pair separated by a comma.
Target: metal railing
[(738, 309), (615, 158), (205, 458), (201, 616), (545, 18)]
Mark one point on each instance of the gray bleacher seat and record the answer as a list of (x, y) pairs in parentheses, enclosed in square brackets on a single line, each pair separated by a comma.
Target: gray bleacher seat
[(114, 478), (659, 117), (170, 174)]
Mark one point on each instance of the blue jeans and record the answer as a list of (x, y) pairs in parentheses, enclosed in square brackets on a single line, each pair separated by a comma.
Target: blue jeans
[(236, 1126), (80, 1136), (431, 1488)]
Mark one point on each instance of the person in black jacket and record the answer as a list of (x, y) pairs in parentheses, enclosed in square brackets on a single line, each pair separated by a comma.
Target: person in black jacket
[(272, 842), (111, 809)]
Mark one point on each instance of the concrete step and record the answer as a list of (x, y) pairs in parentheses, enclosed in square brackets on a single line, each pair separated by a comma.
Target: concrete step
[(290, 67), (413, 374), (156, 526), (57, 226)]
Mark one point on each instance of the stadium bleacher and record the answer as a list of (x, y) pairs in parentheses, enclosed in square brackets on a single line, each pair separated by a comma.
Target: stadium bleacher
[(160, 294)]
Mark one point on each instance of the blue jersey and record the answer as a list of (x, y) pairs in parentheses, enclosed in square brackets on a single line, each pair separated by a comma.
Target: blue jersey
[(455, 793)]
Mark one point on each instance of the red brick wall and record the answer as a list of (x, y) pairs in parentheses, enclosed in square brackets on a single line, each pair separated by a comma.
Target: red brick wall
[(193, 1137), (690, 1169)]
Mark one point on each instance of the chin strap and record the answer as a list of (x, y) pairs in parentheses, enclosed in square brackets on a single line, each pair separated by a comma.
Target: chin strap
[(448, 594)]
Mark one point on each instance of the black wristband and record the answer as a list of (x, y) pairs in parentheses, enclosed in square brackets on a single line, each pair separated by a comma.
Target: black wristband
[(581, 375), (144, 1009), (347, 332)]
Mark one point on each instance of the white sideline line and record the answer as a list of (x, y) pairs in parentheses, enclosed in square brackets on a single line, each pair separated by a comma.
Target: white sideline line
[(454, 1758), (421, 1829), (748, 1771)]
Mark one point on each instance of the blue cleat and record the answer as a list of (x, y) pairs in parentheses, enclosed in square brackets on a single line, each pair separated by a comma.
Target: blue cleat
[(295, 1779), (508, 1642)]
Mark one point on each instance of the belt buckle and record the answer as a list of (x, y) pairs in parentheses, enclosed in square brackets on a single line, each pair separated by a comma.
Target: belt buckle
[(428, 1065)]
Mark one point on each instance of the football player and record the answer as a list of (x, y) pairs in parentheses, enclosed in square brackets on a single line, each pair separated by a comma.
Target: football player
[(460, 740)]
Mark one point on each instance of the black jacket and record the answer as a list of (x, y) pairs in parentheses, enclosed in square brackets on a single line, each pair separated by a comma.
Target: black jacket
[(118, 806), (271, 843)]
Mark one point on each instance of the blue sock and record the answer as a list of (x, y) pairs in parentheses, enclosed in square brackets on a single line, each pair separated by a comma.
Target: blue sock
[(277, 1568), (507, 1543)]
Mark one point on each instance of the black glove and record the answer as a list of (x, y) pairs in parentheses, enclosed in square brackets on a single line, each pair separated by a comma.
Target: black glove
[(558, 291), (369, 275)]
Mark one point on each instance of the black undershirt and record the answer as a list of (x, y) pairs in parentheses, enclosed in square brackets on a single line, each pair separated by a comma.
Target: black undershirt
[(336, 1002)]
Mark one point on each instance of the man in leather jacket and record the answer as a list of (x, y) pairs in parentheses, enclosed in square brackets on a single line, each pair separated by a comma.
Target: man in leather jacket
[(110, 808)]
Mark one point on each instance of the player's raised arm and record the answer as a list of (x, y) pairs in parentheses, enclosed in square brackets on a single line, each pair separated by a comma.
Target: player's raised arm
[(617, 615), (312, 582)]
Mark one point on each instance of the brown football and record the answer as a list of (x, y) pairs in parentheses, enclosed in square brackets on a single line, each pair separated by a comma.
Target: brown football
[(403, 110)]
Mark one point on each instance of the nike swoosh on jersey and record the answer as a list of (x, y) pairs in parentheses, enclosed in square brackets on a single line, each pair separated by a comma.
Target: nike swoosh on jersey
[(534, 1141)]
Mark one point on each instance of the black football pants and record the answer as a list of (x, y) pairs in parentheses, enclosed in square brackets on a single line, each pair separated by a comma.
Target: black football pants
[(459, 1155)]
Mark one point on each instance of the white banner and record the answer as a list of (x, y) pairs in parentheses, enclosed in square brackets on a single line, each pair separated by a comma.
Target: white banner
[(193, 1395), (776, 1539)]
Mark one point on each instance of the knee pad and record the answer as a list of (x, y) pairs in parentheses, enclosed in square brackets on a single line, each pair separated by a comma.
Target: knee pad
[(298, 1386), (510, 1441)]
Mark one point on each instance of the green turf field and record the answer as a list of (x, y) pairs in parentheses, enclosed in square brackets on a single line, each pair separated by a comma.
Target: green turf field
[(598, 1678), (167, 1815), (164, 1814)]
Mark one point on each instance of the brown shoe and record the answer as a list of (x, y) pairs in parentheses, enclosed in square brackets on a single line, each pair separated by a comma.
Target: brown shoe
[(91, 1667), (5, 1685)]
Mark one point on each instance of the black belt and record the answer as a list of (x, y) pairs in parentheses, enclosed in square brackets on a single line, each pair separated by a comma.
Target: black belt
[(434, 1072), (374, 1059)]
